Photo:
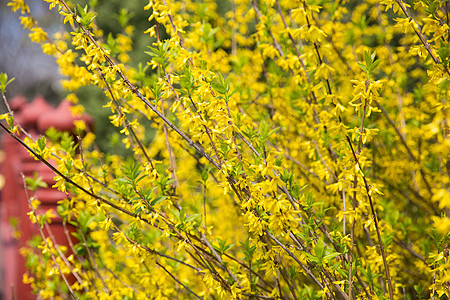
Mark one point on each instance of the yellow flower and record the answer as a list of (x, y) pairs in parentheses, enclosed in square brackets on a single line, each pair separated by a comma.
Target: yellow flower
[(19, 4), (38, 35)]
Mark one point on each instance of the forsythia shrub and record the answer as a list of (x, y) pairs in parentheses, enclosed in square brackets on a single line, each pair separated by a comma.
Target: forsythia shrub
[(299, 150)]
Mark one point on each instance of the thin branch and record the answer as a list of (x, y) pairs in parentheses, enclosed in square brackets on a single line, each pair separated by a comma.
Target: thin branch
[(64, 258), (402, 140), (45, 240), (380, 242), (179, 282), (305, 269), (418, 31), (94, 264)]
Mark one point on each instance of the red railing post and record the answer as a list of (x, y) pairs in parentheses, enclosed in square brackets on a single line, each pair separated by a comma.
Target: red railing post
[(35, 118)]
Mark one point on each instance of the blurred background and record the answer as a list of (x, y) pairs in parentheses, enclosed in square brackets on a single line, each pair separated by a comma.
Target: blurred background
[(34, 72), (37, 74)]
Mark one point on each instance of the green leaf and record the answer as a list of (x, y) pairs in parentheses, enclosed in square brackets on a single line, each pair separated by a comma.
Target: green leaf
[(219, 87), (160, 54), (331, 255), (444, 53), (68, 163), (88, 18), (4, 81), (367, 59), (273, 131), (133, 173), (10, 122), (374, 65), (156, 90), (319, 249), (309, 199), (42, 143), (35, 182), (184, 82), (373, 55), (222, 246), (363, 67), (192, 217), (151, 53), (124, 17), (84, 220), (431, 9), (205, 174), (312, 258), (158, 200)]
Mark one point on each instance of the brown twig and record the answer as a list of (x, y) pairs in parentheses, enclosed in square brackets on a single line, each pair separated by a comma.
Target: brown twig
[(39, 226), (418, 31)]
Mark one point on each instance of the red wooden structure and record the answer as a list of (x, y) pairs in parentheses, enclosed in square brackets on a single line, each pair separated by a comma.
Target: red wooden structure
[(35, 118)]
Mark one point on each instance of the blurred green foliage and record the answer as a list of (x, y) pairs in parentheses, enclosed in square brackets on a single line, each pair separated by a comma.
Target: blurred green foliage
[(112, 17)]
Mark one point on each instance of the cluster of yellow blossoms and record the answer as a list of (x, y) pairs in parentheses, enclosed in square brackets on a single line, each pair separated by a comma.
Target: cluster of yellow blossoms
[(283, 149)]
